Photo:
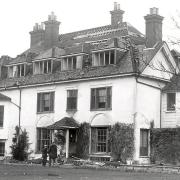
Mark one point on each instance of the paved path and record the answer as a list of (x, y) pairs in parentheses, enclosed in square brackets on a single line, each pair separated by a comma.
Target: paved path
[(34, 172)]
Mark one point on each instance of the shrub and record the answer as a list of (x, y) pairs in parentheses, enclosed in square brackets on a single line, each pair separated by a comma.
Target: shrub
[(20, 145), (82, 150), (165, 145), (122, 141)]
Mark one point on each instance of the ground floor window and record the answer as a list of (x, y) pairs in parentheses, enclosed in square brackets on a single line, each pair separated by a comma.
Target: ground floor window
[(43, 138), (2, 148), (99, 140), (144, 142)]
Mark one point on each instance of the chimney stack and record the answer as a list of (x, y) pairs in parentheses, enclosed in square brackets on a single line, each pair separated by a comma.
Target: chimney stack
[(51, 31), (153, 27), (116, 15), (37, 34)]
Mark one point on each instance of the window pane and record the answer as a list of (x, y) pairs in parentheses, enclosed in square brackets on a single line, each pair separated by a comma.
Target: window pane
[(45, 66), (171, 101), (101, 58), (22, 70), (101, 139), (71, 99), (49, 66), (107, 57), (112, 57), (2, 148), (144, 142), (101, 98), (18, 70), (45, 102), (1, 116), (74, 62)]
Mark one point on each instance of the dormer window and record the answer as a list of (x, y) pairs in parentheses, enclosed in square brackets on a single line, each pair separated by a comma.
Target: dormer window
[(71, 63), (16, 70), (42, 67), (103, 58)]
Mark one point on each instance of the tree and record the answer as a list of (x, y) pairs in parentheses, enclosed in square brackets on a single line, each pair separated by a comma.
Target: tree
[(20, 146)]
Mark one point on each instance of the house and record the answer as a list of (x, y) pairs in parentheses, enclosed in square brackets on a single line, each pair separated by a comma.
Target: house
[(170, 104), (102, 75)]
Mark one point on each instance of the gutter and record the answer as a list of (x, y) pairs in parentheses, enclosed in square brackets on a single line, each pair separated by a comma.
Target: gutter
[(69, 81)]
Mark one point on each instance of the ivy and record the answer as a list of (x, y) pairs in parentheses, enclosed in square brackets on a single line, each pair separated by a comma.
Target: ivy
[(122, 141), (82, 150), (165, 145)]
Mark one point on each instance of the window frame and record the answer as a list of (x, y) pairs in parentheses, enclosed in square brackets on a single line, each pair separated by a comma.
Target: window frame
[(169, 105), (41, 102), (43, 67), (100, 58), (2, 149), (69, 63), (2, 116), (40, 141), (100, 143), (73, 97), (95, 98), (18, 70), (144, 150)]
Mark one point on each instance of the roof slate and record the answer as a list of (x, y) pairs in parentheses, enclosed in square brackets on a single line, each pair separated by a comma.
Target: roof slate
[(124, 66), (66, 122)]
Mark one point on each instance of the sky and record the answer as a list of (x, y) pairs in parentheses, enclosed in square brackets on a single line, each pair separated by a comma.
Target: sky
[(18, 17)]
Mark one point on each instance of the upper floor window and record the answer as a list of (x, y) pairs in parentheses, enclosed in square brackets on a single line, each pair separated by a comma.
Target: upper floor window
[(42, 67), (101, 98), (171, 101), (16, 70), (45, 102), (71, 63), (103, 58), (71, 100), (1, 116)]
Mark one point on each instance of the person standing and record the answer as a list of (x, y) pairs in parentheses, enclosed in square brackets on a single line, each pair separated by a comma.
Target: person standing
[(52, 154), (44, 155)]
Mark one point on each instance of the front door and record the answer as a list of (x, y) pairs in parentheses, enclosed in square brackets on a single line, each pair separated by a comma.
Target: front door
[(72, 141)]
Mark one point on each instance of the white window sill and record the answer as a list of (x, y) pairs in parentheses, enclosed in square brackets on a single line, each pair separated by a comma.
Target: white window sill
[(170, 111), (144, 156)]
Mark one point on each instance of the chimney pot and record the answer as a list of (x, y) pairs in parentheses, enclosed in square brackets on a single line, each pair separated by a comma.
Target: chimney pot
[(118, 6), (154, 10), (115, 6)]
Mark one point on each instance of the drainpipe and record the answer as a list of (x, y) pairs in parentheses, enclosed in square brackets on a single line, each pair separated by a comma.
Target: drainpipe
[(19, 125), (134, 115), (160, 108), (19, 108)]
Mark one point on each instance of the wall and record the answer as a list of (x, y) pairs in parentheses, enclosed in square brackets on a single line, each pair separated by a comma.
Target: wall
[(159, 66), (170, 119), (147, 110), (122, 104), (10, 121)]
